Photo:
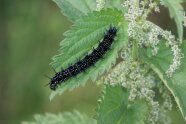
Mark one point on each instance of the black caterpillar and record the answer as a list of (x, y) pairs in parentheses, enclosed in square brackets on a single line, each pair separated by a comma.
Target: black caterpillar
[(87, 61)]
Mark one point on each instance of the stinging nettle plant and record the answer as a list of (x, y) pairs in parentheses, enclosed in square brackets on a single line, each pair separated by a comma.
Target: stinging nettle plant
[(144, 61)]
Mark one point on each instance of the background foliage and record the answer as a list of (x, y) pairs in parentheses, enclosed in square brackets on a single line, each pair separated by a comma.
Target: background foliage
[(30, 32)]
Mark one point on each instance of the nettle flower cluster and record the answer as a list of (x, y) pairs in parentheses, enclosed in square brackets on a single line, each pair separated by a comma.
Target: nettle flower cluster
[(140, 81), (148, 34), (138, 78)]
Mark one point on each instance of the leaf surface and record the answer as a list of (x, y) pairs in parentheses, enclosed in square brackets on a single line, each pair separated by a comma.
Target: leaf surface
[(176, 12), (74, 9), (116, 109), (64, 118)]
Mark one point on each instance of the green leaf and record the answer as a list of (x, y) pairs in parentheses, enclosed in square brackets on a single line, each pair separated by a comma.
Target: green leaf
[(116, 109), (176, 84), (64, 118), (114, 3), (82, 37), (74, 9), (176, 12)]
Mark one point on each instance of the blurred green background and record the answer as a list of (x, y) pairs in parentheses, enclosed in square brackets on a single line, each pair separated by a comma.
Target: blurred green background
[(30, 35), (30, 32)]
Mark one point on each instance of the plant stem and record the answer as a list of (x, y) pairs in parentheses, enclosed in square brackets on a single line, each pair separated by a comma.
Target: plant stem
[(135, 51)]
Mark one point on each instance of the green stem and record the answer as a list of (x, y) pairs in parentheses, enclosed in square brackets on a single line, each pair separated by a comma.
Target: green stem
[(135, 51)]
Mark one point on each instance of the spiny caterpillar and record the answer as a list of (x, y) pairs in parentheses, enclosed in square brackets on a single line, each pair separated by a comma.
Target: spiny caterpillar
[(88, 61)]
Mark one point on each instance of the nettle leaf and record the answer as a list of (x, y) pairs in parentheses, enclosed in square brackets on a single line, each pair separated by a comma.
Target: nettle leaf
[(176, 84), (64, 118), (114, 3), (176, 12), (115, 108), (85, 34), (74, 9)]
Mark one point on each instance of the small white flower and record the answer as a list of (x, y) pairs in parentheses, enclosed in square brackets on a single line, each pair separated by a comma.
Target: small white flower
[(100, 4)]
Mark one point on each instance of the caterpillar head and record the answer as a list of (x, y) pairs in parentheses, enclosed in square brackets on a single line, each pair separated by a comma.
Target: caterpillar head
[(53, 84)]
